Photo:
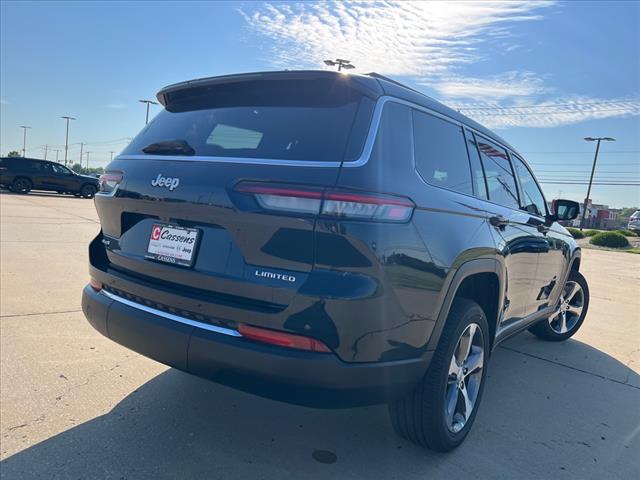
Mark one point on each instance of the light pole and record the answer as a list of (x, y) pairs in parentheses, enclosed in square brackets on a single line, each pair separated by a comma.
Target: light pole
[(148, 102), (24, 140), (111, 159), (66, 141), (46, 147), (87, 160), (341, 63), (81, 147), (57, 152), (593, 169)]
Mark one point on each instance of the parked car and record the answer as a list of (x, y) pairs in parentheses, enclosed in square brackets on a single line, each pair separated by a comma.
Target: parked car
[(21, 175), (330, 240), (634, 222)]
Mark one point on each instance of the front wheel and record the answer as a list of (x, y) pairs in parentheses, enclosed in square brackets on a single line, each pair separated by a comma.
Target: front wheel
[(439, 413), (569, 314)]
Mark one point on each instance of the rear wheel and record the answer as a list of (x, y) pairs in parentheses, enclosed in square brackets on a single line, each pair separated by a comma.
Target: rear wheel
[(439, 413), (88, 191), (570, 312), (21, 185)]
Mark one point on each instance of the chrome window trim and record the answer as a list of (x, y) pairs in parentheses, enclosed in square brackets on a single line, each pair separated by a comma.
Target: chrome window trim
[(171, 316), (362, 160)]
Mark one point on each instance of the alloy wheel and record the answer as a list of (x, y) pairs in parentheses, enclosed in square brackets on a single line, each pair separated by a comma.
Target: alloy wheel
[(464, 378), (569, 308)]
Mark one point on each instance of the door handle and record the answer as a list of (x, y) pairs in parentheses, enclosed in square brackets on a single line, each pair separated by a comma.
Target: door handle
[(498, 221)]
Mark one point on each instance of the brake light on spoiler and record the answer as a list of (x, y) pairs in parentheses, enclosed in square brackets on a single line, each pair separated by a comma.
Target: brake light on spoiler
[(325, 202)]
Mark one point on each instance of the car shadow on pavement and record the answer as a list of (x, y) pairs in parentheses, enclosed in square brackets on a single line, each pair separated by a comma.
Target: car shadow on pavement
[(539, 419)]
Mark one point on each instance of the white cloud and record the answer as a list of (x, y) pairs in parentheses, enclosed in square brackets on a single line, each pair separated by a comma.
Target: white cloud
[(117, 106), (494, 87), (392, 37), (432, 42), (549, 113)]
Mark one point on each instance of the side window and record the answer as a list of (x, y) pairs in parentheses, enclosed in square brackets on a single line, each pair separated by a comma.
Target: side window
[(479, 185), (532, 198), (497, 169), (35, 167), (440, 153), (59, 169)]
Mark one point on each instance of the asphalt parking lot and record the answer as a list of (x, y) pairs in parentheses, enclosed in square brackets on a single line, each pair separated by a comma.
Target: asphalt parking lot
[(75, 405)]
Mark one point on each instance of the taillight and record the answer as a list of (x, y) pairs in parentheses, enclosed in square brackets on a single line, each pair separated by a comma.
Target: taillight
[(282, 339), (329, 202), (108, 182), (95, 284)]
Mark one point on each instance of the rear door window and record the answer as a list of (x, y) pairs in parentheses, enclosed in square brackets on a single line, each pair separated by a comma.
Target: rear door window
[(440, 153), (501, 182)]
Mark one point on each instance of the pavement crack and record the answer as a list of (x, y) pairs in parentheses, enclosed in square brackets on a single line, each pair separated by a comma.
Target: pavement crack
[(38, 313), (570, 367)]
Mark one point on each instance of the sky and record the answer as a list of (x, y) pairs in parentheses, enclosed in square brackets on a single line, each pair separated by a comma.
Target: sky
[(542, 74)]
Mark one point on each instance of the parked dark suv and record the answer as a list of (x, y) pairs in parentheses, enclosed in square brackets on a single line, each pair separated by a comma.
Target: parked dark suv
[(330, 240), (22, 175)]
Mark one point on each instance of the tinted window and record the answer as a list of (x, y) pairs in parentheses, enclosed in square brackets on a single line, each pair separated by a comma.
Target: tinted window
[(59, 169), (497, 169), (532, 199), (440, 153), (276, 120), (479, 186)]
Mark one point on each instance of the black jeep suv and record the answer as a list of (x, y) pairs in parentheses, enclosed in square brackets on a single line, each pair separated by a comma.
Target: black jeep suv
[(330, 240), (21, 175)]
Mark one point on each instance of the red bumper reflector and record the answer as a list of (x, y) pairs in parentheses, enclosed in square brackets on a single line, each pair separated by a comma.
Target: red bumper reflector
[(95, 284), (282, 339)]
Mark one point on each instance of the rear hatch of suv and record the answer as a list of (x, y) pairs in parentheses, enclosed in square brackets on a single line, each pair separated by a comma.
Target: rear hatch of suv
[(214, 203)]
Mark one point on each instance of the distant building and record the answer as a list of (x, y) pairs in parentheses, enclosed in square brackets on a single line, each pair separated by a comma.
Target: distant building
[(598, 216)]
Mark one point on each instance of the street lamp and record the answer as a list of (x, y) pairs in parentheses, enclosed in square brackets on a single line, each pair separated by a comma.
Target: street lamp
[(148, 102), (66, 142), (24, 140), (341, 63), (593, 169)]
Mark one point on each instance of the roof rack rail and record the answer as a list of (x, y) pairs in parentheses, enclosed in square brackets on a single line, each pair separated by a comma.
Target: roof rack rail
[(391, 80)]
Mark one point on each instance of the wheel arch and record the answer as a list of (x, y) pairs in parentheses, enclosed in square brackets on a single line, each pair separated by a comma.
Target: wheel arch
[(480, 280)]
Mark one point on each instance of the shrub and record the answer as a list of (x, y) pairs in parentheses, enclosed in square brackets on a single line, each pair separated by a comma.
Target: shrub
[(626, 233), (609, 239), (575, 233), (590, 233)]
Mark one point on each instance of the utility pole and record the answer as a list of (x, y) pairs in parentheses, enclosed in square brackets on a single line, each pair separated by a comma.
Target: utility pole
[(111, 159), (81, 145), (148, 102), (24, 140), (341, 63), (87, 160), (593, 169), (57, 152), (66, 142), (46, 147)]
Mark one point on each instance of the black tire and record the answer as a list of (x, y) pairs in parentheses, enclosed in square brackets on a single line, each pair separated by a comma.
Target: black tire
[(88, 191), (420, 417), (548, 330), (21, 185)]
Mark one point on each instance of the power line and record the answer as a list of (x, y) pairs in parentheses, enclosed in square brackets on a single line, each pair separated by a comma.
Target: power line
[(587, 183), (576, 152)]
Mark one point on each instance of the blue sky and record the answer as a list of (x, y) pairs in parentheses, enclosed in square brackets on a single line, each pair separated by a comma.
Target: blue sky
[(542, 74)]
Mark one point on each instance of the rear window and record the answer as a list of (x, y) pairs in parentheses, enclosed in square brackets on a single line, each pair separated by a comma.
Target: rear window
[(307, 120)]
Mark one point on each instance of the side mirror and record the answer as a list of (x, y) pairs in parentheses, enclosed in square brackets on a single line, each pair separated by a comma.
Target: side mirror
[(563, 210)]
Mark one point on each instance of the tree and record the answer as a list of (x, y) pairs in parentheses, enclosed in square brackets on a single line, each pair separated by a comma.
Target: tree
[(13, 153), (77, 168)]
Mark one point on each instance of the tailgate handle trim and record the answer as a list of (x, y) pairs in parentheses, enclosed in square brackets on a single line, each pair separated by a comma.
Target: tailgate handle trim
[(170, 316)]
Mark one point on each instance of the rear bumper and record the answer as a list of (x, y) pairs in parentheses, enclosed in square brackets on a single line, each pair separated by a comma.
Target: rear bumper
[(293, 376)]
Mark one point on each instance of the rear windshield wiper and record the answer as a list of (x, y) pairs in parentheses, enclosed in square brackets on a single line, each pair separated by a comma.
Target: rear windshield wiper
[(170, 147)]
